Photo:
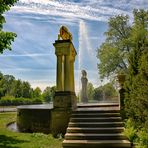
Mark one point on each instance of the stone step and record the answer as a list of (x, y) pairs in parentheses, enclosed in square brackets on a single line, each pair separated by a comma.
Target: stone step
[(96, 119), (93, 115), (91, 105), (95, 111), (95, 124), (90, 136), (96, 144), (95, 130)]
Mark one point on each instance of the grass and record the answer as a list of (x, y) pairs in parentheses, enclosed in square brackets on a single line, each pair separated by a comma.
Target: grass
[(10, 139)]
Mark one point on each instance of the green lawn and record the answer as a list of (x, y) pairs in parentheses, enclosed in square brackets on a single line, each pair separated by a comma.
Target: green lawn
[(9, 139)]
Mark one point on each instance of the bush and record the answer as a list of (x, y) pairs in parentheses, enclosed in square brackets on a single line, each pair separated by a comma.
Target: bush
[(136, 135), (143, 138), (10, 100), (130, 130)]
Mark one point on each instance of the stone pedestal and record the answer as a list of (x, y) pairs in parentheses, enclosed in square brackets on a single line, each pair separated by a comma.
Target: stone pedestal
[(65, 99), (64, 104), (122, 106), (122, 97)]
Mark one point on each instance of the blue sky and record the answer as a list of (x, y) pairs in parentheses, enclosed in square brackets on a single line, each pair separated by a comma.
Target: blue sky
[(37, 24)]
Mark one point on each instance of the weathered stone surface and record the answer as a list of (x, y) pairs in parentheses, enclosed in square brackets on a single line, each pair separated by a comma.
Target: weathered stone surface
[(64, 103), (34, 120), (60, 119), (64, 99)]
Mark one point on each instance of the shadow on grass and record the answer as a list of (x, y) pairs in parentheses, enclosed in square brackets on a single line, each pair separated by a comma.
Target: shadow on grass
[(8, 142)]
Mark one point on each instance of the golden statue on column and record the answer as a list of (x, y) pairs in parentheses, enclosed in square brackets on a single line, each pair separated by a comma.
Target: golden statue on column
[(64, 34)]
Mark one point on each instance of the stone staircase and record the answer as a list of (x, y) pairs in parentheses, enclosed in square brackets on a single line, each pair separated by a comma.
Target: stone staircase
[(94, 127)]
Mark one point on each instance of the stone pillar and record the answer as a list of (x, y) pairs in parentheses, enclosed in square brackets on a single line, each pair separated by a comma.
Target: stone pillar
[(64, 101), (72, 76), (67, 74), (59, 76), (121, 80)]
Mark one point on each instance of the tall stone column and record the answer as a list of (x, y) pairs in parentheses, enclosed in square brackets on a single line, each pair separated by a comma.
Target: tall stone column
[(67, 73), (59, 76), (64, 101), (72, 76)]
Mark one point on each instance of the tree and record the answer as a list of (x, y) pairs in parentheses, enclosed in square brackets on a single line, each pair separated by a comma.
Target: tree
[(26, 90), (112, 54), (9, 80), (37, 92), (90, 91), (18, 89), (5, 37), (106, 91), (136, 85), (47, 94), (53, 89), (98, 94), (109, 91), (2, 90)]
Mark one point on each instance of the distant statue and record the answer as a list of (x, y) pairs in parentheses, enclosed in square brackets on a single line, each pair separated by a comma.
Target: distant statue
[(64, 34), (84, 81)]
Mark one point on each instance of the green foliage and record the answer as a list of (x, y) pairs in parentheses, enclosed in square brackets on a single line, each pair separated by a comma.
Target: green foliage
[(112, 54), (130, 130), (6, 38), (109, 90), (17, 92), (106, 91), (136, 86), (98, 94), (26, 90), (37, 92), (10, 100), (142, 138), (48, 93), (135, 134), (90, 91), (9, 86)]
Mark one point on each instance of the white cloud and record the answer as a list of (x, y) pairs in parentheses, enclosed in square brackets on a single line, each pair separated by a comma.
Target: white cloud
[(92, 10), (25, 55)]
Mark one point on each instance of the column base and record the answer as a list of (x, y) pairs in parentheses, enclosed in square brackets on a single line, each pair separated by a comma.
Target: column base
[(65, 100), (64, 103)]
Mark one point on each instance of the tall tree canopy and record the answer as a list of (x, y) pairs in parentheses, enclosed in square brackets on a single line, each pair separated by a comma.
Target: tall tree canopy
[(136, 85), (112, 54), (5, 37)]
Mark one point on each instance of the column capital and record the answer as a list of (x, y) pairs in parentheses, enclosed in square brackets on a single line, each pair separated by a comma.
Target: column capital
[(64, 47)]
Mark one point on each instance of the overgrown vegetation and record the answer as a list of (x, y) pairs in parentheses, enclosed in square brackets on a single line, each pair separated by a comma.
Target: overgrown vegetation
[(10, 139), (126, 50)]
